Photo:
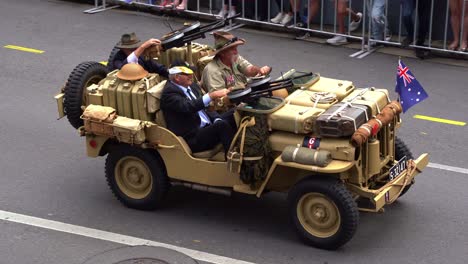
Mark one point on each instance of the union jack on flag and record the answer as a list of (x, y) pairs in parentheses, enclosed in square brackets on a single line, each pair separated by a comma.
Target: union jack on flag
[(410, 90)]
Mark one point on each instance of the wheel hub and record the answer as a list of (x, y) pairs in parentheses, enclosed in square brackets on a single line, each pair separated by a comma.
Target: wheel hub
[(133, 177), (318, 215)]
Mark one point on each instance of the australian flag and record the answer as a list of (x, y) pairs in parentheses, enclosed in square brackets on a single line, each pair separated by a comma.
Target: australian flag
[(409, 89)]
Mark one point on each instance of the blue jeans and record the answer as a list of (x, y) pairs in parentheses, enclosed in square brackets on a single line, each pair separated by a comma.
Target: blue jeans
[(377, 17), (407, 14)]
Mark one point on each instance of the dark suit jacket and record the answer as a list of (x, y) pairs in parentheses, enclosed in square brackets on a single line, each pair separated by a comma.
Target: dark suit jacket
[(181, 113), (149, 65)]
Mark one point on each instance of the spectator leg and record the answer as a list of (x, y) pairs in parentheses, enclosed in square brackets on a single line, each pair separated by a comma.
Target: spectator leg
[(407, 14), (378, 19), (455, 18), (464, 45)]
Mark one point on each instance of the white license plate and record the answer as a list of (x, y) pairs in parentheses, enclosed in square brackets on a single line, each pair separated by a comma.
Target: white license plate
[(398, 168)]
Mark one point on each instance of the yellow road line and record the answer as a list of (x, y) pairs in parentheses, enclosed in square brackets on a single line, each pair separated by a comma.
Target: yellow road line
[(440, 120), (103, 63), (24, 49)]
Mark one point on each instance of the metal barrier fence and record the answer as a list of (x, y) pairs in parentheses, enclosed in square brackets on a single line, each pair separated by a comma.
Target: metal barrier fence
[(416, 22)]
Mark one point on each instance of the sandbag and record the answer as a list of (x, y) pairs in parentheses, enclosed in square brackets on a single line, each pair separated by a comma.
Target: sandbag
[(99, 113), (129, 130), (306, 156), (98, 120)]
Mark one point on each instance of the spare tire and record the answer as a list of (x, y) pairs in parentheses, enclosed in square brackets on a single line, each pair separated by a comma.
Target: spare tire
[(110, 60), (85, 74)]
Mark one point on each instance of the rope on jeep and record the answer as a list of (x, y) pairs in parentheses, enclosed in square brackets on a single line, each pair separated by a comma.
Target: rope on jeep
[(411, 169)]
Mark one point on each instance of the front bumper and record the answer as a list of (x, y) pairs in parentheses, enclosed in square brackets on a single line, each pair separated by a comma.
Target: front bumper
[(388, 193), (59, 99)]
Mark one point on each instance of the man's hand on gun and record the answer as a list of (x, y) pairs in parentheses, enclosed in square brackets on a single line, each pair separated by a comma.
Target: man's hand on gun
[(219, 93), (265, 70)]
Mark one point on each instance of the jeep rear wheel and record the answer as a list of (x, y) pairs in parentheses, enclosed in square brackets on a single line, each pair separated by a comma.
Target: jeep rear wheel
[(323, 212), (401, 150), (84, 75), (137, 177)]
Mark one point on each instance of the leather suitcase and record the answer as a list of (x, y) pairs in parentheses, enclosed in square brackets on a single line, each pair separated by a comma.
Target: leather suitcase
[(304, 98), (294, 118), (342, 120), (341, 88), (375, 99)]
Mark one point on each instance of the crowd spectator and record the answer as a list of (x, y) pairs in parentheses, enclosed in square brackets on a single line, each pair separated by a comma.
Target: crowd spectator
[(285, 12), (342, 9), (459, 12), (407, 7), (378, 20), (226, 11)]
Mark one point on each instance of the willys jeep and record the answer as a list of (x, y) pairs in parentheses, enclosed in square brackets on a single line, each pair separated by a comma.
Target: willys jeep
[(332, 147)]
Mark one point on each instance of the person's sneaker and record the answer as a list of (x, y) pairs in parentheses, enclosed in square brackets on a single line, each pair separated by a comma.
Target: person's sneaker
[(421, 53), (278, 18), (231, 13), (406, 42), (388, 36), (355, 24), (302, 35), (286, 19), (337, 40), (222, 13), (371, 45)]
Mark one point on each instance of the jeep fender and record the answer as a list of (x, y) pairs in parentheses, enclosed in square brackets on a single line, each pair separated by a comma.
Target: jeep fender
[(95, 145), (283, 175)]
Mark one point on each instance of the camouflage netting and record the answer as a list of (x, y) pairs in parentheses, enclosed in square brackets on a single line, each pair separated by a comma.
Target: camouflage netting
[(256, 144), (257, 153)]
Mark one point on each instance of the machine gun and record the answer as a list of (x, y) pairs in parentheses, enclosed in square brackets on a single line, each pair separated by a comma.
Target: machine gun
[(263, 87), (191, 32), (185, 35)]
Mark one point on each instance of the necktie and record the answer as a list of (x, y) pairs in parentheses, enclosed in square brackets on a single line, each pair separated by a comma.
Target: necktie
[(205, 120), (189, 91)]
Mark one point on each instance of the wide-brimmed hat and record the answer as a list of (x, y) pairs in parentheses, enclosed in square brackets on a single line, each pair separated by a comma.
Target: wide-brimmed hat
[(132, 72), (225, 40), (128, 41)]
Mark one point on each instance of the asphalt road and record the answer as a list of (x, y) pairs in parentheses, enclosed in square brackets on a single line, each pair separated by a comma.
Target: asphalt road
[(45, 172)]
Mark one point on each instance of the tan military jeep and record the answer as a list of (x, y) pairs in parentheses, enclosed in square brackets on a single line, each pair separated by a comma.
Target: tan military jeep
[(331, 146)]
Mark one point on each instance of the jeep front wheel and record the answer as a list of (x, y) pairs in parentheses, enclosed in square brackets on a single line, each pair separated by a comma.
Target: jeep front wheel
[(323, 212), (136, 177)]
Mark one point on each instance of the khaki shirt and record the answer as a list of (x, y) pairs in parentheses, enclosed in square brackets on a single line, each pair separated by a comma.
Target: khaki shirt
[(218, 76)]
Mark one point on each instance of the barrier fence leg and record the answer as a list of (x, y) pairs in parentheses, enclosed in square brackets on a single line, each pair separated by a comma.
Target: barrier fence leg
[(99, 8), (363, 41)]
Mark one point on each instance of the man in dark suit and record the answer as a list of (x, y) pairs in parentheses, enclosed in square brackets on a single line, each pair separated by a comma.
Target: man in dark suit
[(184, 107), (131, 50)]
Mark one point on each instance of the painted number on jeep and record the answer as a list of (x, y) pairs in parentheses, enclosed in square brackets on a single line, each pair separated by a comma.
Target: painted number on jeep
[(398, 168)]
